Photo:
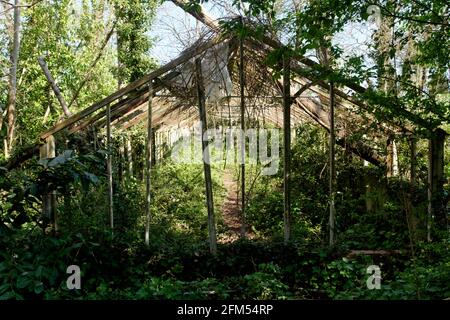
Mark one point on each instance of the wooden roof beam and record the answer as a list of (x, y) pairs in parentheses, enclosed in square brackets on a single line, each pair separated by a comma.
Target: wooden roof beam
[(185, 56)]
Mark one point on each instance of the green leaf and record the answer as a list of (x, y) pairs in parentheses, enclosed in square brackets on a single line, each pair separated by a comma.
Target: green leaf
[(23, 282), (8, 295), (39, 287)]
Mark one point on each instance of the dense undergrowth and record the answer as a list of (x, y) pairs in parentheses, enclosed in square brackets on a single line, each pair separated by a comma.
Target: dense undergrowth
[(178, 265)]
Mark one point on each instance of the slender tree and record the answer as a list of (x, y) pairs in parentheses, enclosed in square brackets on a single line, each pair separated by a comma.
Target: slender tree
[(12, 86)]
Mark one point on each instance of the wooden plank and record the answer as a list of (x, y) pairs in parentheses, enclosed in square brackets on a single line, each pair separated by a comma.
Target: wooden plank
[(206, 159), (185, 56), (116, 108), (141, 97)]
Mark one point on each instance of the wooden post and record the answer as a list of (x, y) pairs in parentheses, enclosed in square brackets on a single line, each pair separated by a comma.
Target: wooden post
[(436, 181), (121, 159), (55, 88), (391, 158), (158, 146), (129, 155), (148, 164), (109, 166), (48, 150), (242, 150), (206, 163), (410, 217), (413, 169), (153, 157), (332, 169), (287, 147)]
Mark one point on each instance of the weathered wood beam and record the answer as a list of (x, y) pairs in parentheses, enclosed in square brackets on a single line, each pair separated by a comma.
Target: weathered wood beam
[(206, 159), (26, 154), (148, 164), (185, 56), (126, 105), (332, 218), (287, 148), (202, 17), (358, 148), (109, 167), (242, 120), (47, 151)]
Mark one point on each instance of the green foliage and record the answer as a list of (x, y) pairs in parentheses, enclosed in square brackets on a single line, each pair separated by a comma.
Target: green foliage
[(157, 288), (373, 212), (22, 193), (134, 20), (68, 35), (265, 283), (30, 264)]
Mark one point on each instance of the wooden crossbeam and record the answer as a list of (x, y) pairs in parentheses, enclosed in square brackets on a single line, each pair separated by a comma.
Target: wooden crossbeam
[(185, 56), (198, 13)]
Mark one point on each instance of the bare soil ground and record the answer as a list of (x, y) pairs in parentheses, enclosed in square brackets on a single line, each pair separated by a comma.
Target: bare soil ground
[(231, 212)]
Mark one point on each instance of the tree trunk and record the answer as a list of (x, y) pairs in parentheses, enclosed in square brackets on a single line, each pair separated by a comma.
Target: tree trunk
[(54, 86), (436, 210), (91, 67), (12, 86)]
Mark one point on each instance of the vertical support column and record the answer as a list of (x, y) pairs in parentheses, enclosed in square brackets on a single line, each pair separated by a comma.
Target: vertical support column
[(153, 157), (48, 150), (413, 168), (148, 164), (94, 133), (287, 147), (109, 167), (391, 158), (129, 155), (158, 144), (121, 159), (206, 160), (242, 146), (436, 181), (410, 217), (332, 169)]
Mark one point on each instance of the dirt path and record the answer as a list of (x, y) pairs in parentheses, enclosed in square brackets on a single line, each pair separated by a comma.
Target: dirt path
[(230, 211)]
